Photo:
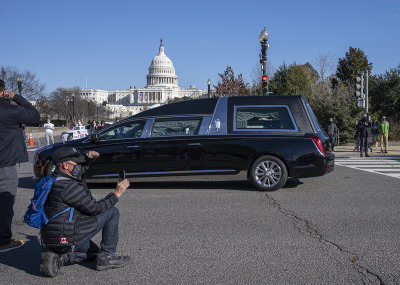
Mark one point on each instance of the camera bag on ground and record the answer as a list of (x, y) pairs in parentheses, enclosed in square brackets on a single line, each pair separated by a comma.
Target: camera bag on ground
[(35, 216)]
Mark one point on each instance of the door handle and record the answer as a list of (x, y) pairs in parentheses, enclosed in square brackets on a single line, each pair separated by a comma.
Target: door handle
[(132, 146), (194, 144)]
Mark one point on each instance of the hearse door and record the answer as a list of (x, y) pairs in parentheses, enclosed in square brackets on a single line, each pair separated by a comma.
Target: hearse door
[(174, 146), (120, 148)]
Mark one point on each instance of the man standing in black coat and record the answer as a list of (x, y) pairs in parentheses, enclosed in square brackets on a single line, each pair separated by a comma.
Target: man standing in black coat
[(12, 151), (331, 130), (74, 229), (364, 133)]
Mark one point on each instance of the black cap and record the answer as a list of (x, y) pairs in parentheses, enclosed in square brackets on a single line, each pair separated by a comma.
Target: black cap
[(67, 153)]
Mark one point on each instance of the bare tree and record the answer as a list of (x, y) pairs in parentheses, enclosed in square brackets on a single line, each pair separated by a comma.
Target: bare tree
[(324, 65), (229, 85), (32, 89)]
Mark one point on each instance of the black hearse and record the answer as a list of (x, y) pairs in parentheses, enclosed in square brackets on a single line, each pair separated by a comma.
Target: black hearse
[(270, 137)]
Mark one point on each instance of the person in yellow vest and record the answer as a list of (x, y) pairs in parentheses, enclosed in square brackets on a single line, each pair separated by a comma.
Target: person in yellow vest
[(384, 133)]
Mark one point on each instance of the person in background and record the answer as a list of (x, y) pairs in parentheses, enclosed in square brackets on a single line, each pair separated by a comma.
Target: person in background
[(49, 128), (374, 132), (331, 130), (93, 126), (383, 129), (364, 133), (79, 123), (71, 124), (101, 125), (356, 138)]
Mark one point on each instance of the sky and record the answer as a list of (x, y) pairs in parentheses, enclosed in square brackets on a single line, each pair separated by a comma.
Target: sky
[(112, 43)]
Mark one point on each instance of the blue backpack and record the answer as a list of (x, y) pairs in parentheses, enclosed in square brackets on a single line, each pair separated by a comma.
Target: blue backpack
[(35, 216)]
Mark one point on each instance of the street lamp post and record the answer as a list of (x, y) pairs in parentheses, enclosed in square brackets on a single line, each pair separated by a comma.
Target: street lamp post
[(19, 81), (263, 57), (73, 108), (88, 109), (209, 88)]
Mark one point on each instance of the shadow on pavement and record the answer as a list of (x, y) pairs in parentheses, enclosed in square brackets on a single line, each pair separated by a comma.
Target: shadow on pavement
[(292, 183), (26, 258)]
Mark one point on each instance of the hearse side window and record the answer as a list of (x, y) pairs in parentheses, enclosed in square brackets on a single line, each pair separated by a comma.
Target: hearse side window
[(313, 117), (126, 130), (176, 127), (259, 118)]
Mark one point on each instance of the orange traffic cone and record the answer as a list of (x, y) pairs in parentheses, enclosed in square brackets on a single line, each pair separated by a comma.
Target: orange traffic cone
[(30, 139)]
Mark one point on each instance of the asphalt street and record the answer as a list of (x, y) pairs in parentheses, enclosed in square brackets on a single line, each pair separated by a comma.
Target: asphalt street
[(341, 228)]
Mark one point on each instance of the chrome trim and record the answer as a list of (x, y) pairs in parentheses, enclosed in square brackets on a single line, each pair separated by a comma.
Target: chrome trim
[(264, 130), (132, 146), (204, 125), (147, 128), (218, 124), (166, 172), (313, 117)]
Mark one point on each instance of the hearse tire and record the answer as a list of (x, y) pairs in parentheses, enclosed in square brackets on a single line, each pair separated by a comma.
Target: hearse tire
[(268, 173), (50, 167)]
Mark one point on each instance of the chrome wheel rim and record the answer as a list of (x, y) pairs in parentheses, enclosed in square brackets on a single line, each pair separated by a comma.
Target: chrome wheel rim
[(268, 173)]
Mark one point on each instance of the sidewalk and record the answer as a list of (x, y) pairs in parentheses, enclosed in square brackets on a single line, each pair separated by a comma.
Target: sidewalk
[(346, 150)]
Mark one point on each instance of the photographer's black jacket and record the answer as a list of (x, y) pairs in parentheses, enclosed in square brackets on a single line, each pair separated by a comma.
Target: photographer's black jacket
[(68, 191), (12, 143)]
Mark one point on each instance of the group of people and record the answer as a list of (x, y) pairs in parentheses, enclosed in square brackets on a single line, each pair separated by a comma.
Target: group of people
[(366, 128), (95, 126), (67, 237)]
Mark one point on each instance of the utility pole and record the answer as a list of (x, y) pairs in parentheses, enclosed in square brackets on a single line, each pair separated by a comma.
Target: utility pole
[(263, 60), (366, 92)]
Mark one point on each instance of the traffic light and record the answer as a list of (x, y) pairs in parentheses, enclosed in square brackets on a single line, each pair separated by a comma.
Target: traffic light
[(264, 81), (359, 87), (265, 84)]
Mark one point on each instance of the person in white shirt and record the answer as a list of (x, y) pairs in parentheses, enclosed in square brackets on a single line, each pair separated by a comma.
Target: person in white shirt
[(49, 127)]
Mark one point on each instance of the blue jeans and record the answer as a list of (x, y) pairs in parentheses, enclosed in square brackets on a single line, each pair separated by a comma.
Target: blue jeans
[(107, 223)]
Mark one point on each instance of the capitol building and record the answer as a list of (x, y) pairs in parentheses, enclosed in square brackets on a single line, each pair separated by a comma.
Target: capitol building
[(162, 87)]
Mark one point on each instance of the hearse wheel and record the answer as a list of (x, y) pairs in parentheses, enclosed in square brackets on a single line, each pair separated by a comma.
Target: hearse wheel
[(50, 168), (268, 173)]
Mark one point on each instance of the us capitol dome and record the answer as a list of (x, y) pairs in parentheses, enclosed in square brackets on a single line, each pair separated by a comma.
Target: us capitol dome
[(162, 87)]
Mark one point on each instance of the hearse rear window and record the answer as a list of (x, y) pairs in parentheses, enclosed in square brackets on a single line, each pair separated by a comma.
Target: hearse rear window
[(176, 127), (264, 118)]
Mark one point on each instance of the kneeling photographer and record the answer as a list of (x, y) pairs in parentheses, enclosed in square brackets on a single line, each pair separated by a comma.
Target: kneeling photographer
[(67, 237)]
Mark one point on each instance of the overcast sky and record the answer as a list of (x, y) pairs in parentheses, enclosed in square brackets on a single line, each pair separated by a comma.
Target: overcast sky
[(113, 42)]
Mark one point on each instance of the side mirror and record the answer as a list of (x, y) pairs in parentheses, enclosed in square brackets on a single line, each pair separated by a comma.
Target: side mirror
[(95, 138)]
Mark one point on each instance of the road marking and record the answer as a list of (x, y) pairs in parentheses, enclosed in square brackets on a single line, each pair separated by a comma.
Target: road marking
[(381, 165)]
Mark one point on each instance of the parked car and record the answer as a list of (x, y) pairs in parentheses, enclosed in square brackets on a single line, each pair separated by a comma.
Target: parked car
[(270, 137), (77, 132)]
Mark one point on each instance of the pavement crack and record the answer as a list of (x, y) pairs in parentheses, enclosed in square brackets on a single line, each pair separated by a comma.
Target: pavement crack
[(306, 228)]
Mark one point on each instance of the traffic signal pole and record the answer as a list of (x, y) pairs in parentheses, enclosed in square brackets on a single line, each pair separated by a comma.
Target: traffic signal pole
[(366, 92)]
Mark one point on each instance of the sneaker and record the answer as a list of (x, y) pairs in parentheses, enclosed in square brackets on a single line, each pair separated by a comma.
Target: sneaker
[(51, 263), (361, 155), (386, 151), (367, 155), (12, 245), (105, 261)]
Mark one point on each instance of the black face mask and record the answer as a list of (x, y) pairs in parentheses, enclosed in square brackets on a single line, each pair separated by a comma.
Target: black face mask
[(384, 119)]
